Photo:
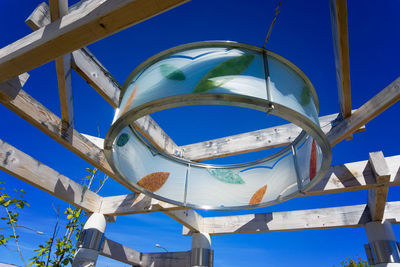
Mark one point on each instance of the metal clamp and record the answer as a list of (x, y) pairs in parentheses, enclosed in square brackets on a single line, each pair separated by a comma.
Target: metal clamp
[(382, 251), (202, 257), (90, 238)]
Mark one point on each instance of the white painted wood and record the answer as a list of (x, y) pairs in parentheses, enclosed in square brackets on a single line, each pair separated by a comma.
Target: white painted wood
[(188, 218), (166, 259), (27, 169), (252, 141), (99, 142), (377, 196), (325, 218), (338, 10), (10, 89), (90, 22), (368, 111)]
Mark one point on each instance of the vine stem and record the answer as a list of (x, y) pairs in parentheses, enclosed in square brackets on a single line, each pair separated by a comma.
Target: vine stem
[(15, 236)]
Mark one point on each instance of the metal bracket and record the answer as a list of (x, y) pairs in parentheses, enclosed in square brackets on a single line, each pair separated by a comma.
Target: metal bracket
[(90, 238), (202, 257)]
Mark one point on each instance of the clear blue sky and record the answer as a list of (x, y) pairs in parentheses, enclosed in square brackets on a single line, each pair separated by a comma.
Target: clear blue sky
[(302, 34)]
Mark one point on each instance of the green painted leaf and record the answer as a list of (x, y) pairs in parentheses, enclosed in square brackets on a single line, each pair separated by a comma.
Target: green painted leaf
[(305, 96), (171, 72), (226, 176), (232, 66), (122, 139)]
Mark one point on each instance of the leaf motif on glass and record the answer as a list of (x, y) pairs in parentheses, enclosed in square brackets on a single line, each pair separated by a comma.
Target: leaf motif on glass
[(122, 139), (258, 196), (153, 181), (305, 96), (313, 161), (172, 73), (226, 176), (232, 66)]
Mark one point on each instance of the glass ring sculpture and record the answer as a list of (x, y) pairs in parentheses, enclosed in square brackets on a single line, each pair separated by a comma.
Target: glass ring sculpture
[(220, 73)]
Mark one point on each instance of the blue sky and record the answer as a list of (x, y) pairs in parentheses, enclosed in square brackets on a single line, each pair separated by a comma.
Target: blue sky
[(302, 34)]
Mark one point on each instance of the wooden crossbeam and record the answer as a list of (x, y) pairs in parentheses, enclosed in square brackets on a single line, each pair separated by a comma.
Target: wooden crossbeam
[(91, 70), (325, 218), (10, 89), (252, 141), (338, 10), (59, 8), (377, 196), (368, 111), (188, 218), (27, 169), (134, 204), (90, 22), (165, 259), (119, 252)]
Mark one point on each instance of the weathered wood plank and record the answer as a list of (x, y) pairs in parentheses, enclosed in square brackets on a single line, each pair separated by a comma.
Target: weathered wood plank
[(368, 111), (27, 169), (166, 259), (59, 8), (188, 218), (90, 22), (46, 121), (377, 196), (10, 89), (338, 10), (251, 141), (355, 176), (150, 129), (325, 218), (91, 70), (116, 251), (133, 204)]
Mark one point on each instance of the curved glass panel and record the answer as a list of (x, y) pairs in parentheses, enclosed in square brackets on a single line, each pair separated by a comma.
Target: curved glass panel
[(223, 73)]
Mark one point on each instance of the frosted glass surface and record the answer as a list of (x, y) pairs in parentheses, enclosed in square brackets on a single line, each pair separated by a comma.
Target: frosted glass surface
[(216, 71)]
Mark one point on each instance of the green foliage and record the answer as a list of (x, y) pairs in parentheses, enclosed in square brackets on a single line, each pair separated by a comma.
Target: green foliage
[(358, 262)]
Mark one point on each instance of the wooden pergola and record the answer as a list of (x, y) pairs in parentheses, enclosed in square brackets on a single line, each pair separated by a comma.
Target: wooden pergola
[(60, 34)]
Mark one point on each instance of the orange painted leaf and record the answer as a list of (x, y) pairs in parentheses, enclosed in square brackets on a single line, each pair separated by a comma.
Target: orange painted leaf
[(153, 181), (258, 196), (129, 102), (313, 161)]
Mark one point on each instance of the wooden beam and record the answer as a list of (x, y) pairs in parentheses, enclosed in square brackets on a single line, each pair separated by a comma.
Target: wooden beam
[(90, 22), (116, 251), (10, 89), (368, 111), (27, 169), (377, 196), (91, 70), (325, 218), (252, 141), (338, 10), (134, 204), (59, 8), (165, 259), (355, 176), (188, 218)]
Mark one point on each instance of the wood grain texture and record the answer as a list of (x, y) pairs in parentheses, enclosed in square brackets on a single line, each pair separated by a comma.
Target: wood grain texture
[(368, 111), (188, 218), (338, 10), (10, 89), (90, 22), (119, 252), (27, 169), (252, 141), (377, 196), (133, 204), (166, 259)]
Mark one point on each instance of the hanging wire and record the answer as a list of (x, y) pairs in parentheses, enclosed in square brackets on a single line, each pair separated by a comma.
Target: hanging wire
[(277, 10)]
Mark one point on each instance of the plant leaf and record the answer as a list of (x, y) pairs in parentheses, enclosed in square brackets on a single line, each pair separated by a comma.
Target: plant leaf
[(153, 181), (258, 195), (232, 66), (226, 176), (172, 73)]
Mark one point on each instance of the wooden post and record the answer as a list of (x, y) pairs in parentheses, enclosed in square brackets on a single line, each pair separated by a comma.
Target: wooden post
[(90, 241), (382, 244), (202, 255)]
